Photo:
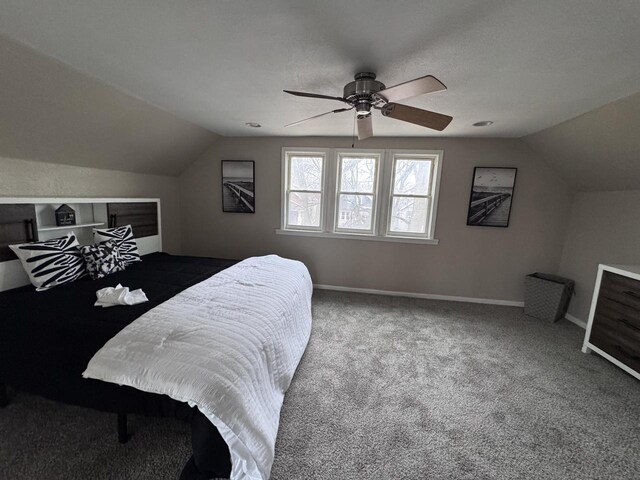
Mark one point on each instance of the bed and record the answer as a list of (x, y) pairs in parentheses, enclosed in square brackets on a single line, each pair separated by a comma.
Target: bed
[(46, 347)]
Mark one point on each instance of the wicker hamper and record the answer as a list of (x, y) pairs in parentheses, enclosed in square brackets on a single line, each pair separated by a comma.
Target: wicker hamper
[(547, 296)]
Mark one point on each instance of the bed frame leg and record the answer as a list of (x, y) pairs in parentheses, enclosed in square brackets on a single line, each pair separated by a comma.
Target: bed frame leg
[(123, 434), (4, 396)]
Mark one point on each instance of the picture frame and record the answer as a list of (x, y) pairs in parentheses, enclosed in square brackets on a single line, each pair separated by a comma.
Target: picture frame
[(491, 196), (238, 186)]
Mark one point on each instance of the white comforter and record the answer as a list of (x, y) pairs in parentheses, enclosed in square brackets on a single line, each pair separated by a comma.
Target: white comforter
[(229, 345)]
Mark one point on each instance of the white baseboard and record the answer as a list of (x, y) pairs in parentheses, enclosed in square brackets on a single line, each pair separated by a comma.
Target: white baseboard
[(575, 320), (448, 298), (429, 296)]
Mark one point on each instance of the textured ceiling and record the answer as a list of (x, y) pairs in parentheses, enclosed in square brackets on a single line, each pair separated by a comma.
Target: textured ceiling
[(50, 112), (599, 150), (526, 65)]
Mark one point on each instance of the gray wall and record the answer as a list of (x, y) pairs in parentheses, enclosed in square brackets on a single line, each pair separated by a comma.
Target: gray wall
[(596, 151), (604, 228), (479, 262), (52, 113), (21, 178)]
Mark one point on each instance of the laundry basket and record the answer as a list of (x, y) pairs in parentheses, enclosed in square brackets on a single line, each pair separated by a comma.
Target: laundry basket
[(547, 296)]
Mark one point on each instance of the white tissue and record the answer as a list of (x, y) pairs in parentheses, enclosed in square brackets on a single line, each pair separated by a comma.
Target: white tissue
[(119, 295)]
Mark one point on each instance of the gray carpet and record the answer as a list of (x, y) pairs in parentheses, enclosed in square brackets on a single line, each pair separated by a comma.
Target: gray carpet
[(389, 388)]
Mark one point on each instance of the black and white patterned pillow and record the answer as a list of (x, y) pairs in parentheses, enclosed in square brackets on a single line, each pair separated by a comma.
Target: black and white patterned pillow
[(52, 262), (123, 236), (103, 259)]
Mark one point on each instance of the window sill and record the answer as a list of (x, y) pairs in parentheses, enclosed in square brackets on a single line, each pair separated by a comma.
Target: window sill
[(355, 236)]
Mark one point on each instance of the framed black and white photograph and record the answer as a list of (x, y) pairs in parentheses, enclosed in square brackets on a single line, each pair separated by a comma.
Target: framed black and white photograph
[(491, 196), (238, 186)]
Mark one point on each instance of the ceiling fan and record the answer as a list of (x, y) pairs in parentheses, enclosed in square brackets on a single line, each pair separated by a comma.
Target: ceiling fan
[(366, 93)]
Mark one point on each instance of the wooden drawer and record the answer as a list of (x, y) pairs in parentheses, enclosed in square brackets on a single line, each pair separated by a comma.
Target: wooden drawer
[(619, 317), (623, 348), (620, 289)]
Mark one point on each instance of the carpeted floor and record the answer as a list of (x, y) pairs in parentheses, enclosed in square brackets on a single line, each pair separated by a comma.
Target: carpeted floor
[(389, 388)]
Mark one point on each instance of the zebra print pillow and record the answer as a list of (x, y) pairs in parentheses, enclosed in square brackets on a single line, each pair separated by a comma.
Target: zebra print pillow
[(52, 262), (103, 259), (123, 236)]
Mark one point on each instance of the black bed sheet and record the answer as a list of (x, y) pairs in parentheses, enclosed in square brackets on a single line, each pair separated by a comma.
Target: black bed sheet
[(47, 338)]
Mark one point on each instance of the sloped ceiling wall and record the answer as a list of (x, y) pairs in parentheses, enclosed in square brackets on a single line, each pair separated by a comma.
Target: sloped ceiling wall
[(597, 151), (52, 113)]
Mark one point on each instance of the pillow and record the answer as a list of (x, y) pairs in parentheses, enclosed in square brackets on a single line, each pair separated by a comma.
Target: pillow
[(103, 259), (52, 262), (123, 236)]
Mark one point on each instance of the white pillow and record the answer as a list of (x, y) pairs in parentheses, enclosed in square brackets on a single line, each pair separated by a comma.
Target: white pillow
[(123, 236), (52, 262)]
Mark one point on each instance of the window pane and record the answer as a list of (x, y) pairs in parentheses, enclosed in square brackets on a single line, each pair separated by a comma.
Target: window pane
[(355, 212), (306, 173), (409, 215), (304, 209), (358, 174), (412, 177)]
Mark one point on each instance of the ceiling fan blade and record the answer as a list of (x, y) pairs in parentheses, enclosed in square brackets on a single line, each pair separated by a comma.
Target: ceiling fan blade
[(365, 127), (315, 95), (321, 115), (424, 118), (412, 88)]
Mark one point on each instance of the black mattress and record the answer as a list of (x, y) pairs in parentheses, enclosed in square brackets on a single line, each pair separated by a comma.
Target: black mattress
[(47, 338)]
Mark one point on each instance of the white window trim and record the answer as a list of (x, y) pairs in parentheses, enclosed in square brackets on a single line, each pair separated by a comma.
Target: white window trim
[(354, 236), (381, 219), (287, 153), (379, 158), (434, 189)]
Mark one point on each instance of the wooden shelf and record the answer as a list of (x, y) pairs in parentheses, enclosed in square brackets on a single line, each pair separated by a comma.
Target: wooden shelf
[(70, 227)]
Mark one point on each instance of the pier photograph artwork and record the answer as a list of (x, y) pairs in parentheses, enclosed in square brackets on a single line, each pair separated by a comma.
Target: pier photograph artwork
[(491, 196), (238, 186)]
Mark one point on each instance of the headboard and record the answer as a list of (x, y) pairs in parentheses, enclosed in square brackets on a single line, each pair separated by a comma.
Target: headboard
[(142, 216), (30, 219), (17, 225)]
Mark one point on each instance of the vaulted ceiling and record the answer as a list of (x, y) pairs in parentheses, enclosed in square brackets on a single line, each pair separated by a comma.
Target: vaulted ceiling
[(599, 150), (141, 85), (526, 65), (52, 113)]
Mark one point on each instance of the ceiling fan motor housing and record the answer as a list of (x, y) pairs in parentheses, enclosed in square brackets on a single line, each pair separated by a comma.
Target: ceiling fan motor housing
[(360, 92)]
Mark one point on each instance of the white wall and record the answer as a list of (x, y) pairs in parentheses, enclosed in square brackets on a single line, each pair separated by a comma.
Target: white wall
[(479, 262), (604, 228), (21, 178)]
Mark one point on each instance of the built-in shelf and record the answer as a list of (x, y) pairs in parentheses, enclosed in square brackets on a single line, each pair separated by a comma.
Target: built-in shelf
[(69, 227)]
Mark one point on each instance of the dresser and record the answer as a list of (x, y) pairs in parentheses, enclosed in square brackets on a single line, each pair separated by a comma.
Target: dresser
[(613, 330)]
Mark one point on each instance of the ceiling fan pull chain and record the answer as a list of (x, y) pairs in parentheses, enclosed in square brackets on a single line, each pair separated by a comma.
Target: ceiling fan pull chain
[(353, 134)]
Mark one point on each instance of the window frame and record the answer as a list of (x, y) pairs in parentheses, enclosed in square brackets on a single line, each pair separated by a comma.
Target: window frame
[(383, 197), (287, 155), (432, 195), (378, 156)]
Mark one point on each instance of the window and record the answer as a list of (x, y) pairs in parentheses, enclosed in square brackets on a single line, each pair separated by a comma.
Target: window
[(356, 192), (410, 195), (388, 195), (304, 190)]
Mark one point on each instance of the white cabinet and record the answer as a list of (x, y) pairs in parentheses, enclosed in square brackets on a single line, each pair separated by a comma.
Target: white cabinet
[(613, 330)]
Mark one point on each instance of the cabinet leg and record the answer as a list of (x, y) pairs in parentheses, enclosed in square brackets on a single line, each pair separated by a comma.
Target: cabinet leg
[(123, 434), (586, 349), (4, 396)]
